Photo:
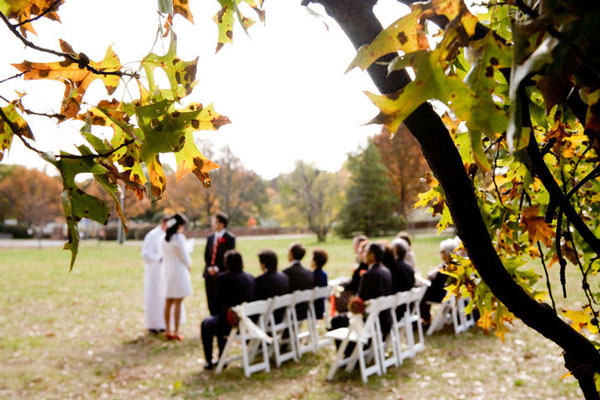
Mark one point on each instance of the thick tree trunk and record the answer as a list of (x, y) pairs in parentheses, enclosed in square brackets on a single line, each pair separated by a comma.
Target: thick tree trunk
[(361, 26)]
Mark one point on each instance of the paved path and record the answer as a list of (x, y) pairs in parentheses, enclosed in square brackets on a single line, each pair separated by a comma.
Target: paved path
[(34, 243)]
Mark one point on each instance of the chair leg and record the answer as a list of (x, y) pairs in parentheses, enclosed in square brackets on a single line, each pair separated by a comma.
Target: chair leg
[(223, 359), (338, 359)]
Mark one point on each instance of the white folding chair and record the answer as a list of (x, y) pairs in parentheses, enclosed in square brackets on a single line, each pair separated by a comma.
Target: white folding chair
[(387, 304), (361, 333), (452, 310), (403, 327), (247, 332), (277, 329), (414, 319), (305, 339), (321, 293)]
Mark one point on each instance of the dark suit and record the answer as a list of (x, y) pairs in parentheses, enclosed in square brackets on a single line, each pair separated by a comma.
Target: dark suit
[(233, 288), (435, 292), (354, 283), (319, 279), (272, 284), (376, 282), (300, 279), (225, 243), (403, 276)]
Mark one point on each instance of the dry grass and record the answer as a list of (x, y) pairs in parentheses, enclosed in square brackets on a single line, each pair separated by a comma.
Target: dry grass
[(81, 335)]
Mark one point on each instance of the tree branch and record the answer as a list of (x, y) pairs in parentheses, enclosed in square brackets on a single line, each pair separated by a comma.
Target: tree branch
[(82, 62)]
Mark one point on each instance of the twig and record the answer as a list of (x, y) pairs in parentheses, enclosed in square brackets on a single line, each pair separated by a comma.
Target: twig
[(561, 260), (494, 175), (14, 76), (82, 63), (547, 276), (59, 117), (50, 9), (99, 155)]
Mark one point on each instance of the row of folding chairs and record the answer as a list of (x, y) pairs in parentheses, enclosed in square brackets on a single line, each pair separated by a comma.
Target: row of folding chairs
[(452, 311), (260, 334), (374, 353)]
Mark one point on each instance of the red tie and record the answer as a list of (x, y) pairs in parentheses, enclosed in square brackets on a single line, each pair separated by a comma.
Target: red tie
[(213, 258)]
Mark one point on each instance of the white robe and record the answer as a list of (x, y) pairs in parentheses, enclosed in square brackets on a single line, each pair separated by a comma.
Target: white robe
[(154, 303)]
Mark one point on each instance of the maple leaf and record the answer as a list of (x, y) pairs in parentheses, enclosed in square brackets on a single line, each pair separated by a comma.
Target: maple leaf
[(536, 227), (75, 78)]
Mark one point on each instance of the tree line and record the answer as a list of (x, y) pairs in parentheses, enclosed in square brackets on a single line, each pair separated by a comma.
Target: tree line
[(372, 193)]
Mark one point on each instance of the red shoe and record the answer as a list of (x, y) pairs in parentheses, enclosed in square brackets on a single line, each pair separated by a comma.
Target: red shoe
[(170, 336), (178, 336)]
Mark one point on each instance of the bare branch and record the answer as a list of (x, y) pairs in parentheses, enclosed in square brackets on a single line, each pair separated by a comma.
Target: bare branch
[(14, 76)]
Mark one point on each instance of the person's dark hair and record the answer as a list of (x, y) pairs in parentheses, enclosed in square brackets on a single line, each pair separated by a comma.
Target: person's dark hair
[(173, 225), (222, 218), (401, 248), (298, 251), (268, 258), (377, 251), (319, 257), (233, 261), (388, 255)]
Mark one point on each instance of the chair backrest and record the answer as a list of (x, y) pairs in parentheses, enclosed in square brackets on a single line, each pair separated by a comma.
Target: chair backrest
[(417, 293), (278, 302), (338, 281), (387, 302), (321, 292), (403, 298), (255, 307), (302, 296)]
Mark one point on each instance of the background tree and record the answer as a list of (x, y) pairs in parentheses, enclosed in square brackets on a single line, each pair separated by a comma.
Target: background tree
[(369, 206), (241, 193), (191, 198), (31, 197), (311, 197), (405, 164)]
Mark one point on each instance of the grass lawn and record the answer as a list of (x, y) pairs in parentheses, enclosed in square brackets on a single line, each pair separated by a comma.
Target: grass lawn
[(81, 335)]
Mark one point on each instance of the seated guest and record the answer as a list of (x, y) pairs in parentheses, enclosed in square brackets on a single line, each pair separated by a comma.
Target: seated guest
[(271, 283), (409, 258), (403, 275), (376, 282), (359, 268), (300, 277), (234, 286), (436, 291), (319, 278)]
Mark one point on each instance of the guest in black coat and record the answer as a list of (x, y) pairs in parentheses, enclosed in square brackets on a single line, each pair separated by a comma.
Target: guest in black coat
[(376, 282), (217, 244), (300, 277), (271, 283), (234, 287), (358, 243), (319, 259), (403, 275)]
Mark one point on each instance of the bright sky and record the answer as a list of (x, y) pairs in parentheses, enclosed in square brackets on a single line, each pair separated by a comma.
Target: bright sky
[(284, 87)]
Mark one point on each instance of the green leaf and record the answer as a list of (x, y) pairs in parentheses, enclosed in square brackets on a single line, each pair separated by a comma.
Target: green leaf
[(517, 134), (76, 203), (406, 35), (165, 6), (431, 83), (224, 19), (489, 54), (181, 74)]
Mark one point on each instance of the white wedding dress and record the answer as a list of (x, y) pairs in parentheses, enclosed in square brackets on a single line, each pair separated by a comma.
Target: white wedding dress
[(175, 280)]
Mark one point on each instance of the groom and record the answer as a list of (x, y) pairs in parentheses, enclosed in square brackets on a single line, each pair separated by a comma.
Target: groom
[(216, 245)]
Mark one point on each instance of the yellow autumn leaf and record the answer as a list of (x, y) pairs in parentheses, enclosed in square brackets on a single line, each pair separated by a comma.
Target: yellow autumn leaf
[(75, 78)]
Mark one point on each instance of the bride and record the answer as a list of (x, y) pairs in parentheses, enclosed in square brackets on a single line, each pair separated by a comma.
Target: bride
[(176, 268)]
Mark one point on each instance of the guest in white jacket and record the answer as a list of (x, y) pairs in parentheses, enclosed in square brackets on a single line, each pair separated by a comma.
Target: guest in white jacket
[(176, 267), (154, 302)]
